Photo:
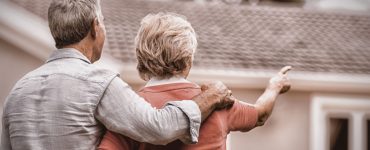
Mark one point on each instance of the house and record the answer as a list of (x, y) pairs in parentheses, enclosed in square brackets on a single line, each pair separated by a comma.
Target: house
[(243, 46)]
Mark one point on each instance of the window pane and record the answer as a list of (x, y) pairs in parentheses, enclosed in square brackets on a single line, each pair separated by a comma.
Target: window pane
[(338, 134)]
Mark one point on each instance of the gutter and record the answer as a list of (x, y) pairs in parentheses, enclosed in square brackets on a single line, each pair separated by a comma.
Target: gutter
[(258, 79)]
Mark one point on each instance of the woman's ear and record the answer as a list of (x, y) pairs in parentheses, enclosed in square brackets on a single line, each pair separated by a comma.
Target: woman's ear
[(94, 28)]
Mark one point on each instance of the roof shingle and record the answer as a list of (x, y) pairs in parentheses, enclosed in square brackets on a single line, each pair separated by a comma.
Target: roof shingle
[(242, 37)]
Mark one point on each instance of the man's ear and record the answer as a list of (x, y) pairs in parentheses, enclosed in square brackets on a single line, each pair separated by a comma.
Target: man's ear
[(94, 28)]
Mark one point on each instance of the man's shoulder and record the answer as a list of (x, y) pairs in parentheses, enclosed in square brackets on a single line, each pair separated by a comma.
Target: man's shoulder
[(97, 73), (49, 74), (74, 69)]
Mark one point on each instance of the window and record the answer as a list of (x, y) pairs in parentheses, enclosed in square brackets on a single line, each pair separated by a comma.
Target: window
[(339, 122), (338, 133)]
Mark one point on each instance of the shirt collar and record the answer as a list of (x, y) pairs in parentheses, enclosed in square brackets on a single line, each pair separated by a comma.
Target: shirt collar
[(175, 79), (67, 53)]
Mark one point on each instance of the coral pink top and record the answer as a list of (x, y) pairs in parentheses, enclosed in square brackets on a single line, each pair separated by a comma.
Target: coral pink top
[(213, 132)]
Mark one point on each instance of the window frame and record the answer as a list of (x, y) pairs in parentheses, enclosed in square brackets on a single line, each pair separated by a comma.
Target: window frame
[(324, 106)]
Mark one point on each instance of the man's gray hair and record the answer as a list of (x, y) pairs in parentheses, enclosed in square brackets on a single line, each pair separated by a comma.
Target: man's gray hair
[(71, 20)]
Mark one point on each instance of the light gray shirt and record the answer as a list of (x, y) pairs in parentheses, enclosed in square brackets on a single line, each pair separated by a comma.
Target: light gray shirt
[(68, 103)]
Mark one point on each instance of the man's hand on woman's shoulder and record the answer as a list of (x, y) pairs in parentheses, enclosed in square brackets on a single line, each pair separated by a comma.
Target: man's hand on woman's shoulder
[(215, 95), (223, 96)]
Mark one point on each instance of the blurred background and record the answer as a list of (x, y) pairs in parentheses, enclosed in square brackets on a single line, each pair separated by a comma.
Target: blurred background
[(242, 43)]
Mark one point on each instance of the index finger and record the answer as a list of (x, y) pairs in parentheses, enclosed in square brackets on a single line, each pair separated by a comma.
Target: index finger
[(285, 69)]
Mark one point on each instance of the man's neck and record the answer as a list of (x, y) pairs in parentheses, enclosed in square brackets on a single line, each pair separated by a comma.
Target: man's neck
[(84, 49), (174, 79)]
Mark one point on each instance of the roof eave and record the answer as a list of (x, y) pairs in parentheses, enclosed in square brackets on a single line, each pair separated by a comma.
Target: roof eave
[(25, 30), (258, 79)]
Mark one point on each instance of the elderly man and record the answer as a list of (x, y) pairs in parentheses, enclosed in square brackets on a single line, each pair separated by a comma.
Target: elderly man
[(68, 102)]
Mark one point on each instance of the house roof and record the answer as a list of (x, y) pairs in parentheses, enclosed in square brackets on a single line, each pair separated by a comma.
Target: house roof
[(246, 38)]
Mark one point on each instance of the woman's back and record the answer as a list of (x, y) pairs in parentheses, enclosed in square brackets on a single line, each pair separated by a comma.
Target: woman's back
[(214, 130)]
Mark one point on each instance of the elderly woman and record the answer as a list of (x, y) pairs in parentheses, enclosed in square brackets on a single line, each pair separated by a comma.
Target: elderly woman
[(165, 47)]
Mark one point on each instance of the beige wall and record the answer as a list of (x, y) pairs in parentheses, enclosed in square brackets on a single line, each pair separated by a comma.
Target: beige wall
[(286, 129), (14, 63)]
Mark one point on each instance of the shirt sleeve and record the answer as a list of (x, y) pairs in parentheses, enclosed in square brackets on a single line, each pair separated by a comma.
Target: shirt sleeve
[(122, 111), (5, 137), (242, 117)]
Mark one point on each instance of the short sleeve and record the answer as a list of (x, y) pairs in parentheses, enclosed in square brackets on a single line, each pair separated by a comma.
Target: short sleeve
[(242, 117)]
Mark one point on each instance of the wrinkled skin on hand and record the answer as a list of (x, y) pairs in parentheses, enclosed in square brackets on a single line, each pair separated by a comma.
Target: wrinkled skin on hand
[(221, 90)]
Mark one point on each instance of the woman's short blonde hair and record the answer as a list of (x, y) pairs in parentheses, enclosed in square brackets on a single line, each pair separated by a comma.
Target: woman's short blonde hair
[(165, 44)]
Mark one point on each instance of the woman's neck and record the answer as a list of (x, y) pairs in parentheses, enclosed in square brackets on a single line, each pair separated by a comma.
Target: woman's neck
[(158, 81)]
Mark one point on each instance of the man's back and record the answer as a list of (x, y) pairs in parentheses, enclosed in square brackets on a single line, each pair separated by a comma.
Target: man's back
[(53, 106)]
